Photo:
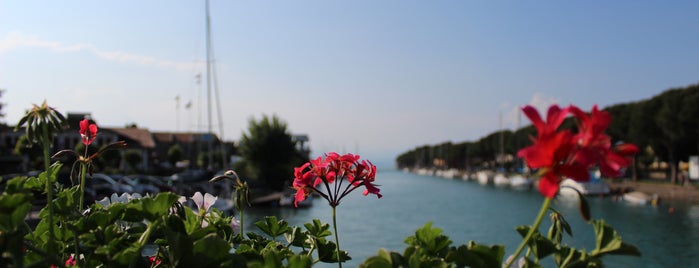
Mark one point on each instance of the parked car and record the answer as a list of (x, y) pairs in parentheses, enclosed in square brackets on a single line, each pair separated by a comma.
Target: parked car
[(100, 185), (192, 175), (164, 184), (139, 185)]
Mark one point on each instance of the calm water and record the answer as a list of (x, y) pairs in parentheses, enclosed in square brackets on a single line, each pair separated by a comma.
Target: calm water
[(468, 211)]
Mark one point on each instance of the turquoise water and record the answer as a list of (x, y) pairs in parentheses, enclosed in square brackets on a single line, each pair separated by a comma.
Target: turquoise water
[(468, 211)]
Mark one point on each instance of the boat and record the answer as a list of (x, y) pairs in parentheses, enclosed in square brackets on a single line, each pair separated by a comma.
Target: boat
[(519, 182), (485, 177), (641, 198), (570, 187), (448, 173), (500, 180), (287, 200), (467, 176), (282, 199)]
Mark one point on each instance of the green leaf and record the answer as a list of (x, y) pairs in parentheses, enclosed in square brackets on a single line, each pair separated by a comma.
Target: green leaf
[(13, 210), (432, 240), (376, 262), (273, 227), (491, 255), (66, 201), (300, 261), (327, 252), (128, 255), (296, 237), (570, 257), (540, 245), (212, 247), (383, 259), (318, 229), (462, 256), (35, 184), (609, 241), (159, 205)]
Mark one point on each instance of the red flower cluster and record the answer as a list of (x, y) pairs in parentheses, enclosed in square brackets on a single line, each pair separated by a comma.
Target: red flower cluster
[(88, 131), (562, 153), (154, 261), (334, 169)]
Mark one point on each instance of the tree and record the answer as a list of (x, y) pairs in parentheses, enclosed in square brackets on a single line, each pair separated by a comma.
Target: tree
[(175, 154), (30, 154), (133, 158), (269, 152), (110, 159)]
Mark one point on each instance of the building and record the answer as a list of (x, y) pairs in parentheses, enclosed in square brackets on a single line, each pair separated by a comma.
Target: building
[(152, 147)]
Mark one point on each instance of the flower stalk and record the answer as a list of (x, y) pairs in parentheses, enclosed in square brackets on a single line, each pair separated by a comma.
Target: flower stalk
[(83, 171), (533, 228), (337, 238)]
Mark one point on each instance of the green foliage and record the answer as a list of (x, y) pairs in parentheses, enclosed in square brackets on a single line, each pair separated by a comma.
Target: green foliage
[(109, 159), (269, 152), (430, 248), (273, 227), (133, 158), (175, 153), (122, 234), (24, 147), (666, 124)]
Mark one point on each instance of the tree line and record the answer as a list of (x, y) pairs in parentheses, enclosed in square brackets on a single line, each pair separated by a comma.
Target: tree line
[(664, 127)]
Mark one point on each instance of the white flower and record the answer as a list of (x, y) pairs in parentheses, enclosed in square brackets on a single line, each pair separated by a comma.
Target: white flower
[(235, 224), (205, 202)]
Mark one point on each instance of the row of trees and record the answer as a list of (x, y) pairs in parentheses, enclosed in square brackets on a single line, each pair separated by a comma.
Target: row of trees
[(665, 127)]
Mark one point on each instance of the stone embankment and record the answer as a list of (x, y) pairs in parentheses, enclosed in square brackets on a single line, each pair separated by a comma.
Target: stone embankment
[(666, 191)]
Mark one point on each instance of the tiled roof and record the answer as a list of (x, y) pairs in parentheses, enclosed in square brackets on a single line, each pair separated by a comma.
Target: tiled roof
[(140, 135)]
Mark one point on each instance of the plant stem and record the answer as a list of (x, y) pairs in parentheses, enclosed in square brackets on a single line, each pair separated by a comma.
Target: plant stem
[(83, 170), (146, 234), (337, 240), (242, 222), (532, 229), (49, 190)]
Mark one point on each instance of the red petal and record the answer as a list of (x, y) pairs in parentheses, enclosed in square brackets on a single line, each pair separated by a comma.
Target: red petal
[(548, 185)]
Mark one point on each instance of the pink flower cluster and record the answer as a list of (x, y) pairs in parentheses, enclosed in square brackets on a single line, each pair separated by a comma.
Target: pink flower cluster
[(331, 172)]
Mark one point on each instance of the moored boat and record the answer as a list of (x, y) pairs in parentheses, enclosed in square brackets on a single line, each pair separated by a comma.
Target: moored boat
[(519, 182), (637, 197), (485, 177), (591, 187), (500, 180)]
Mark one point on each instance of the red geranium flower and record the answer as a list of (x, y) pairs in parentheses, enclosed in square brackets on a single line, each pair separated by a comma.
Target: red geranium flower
[(88, 131), (71, 261), (334, 169), (594, 146), (551, 150), (562, 154), (154, 261)]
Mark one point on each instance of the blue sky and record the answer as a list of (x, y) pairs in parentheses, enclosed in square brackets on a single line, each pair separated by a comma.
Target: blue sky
[(373, 77)]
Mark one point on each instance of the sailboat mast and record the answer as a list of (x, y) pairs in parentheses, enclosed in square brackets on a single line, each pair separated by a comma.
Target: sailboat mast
[(208, 86)]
